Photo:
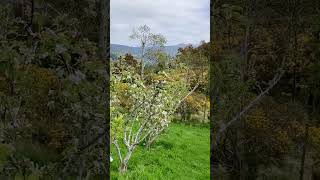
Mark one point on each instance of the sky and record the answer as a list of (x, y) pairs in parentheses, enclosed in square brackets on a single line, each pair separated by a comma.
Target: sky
[(180, 21)]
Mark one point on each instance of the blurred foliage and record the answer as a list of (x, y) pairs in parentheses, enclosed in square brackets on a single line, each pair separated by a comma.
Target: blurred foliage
[(251, 42), (52, 106)]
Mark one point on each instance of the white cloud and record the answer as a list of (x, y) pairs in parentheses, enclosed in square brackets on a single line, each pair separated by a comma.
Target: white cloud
[(180, 21)]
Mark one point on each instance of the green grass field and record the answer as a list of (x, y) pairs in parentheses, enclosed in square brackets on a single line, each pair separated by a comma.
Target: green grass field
[(181, 153)]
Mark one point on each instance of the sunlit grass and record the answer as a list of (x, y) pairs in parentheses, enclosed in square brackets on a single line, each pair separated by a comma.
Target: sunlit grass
[(183, 152)]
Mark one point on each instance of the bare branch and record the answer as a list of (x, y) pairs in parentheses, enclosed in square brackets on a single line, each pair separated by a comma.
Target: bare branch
[(118, 149), (184, 98), (274, 81)]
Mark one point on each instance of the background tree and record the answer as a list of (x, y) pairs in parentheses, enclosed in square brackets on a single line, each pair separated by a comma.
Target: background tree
[(148, 42)]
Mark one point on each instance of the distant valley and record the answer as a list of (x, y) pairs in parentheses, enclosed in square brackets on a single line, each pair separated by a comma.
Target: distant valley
[(117, 50)]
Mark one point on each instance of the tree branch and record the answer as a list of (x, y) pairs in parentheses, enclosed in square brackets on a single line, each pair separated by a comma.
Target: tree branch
[(274, 81)]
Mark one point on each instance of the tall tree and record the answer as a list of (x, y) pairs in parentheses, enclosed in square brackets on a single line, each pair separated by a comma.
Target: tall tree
[(148, 42)]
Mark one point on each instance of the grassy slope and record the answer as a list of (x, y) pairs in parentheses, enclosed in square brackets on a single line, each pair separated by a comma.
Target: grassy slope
[(183, 152)]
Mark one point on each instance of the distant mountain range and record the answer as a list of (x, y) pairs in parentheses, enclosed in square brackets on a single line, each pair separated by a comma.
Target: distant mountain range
[(117, 49)]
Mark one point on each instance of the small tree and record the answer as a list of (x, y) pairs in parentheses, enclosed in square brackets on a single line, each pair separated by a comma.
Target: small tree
[(141, 112)]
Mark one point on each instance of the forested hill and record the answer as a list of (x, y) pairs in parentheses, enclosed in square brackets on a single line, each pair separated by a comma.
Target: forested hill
[(117, 49)]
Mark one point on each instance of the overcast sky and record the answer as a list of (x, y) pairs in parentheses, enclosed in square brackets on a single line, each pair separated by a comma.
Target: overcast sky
[(180, 21)]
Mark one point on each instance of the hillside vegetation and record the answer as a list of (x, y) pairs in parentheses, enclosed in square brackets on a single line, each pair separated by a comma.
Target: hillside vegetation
[(147, 99)]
